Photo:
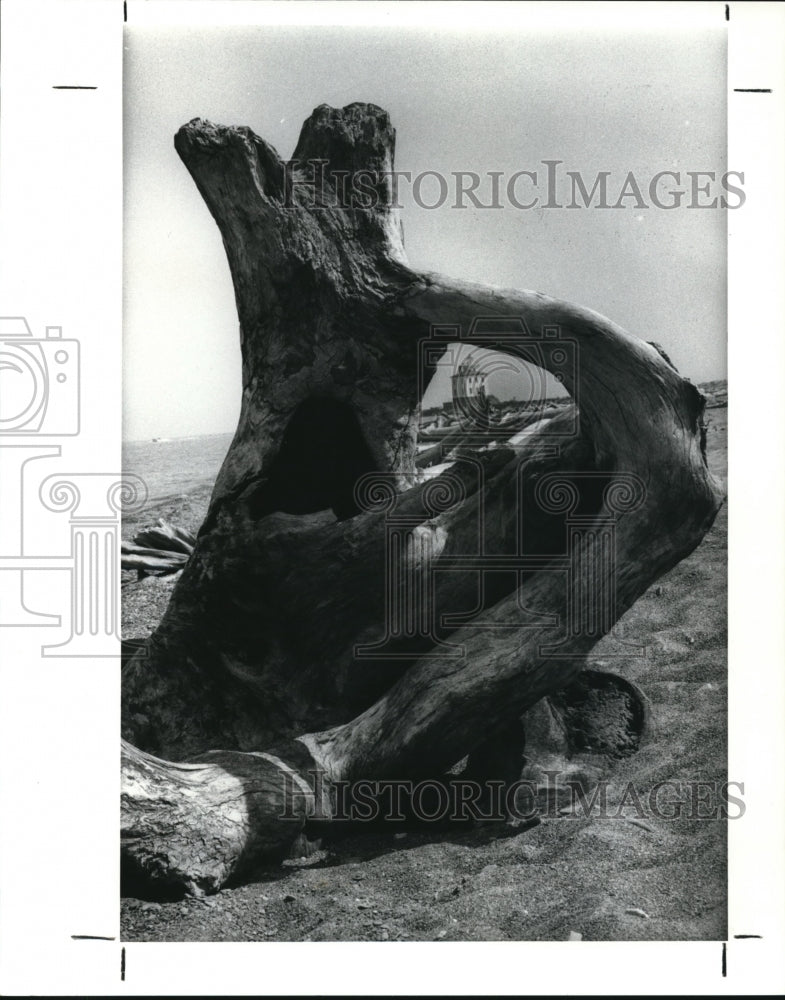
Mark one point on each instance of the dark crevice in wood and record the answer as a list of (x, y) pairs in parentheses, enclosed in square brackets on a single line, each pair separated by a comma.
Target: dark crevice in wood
[(323, 453)]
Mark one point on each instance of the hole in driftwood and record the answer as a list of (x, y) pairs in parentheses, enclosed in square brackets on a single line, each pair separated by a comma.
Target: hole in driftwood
[(480, 399), (323, 454)]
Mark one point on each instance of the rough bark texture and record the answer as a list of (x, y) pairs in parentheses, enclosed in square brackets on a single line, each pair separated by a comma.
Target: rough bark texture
[(289, 570)]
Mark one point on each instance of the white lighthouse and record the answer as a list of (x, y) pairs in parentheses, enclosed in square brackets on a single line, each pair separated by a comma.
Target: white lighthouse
[(468, 394)]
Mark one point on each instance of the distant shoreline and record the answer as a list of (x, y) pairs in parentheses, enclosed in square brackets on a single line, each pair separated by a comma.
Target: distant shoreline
[(710, 388), (165, 439)]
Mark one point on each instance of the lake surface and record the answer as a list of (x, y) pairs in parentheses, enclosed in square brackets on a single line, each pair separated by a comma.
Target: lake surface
[(176, 466)]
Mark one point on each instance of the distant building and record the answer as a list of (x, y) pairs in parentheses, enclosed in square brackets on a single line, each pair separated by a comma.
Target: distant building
[(469, 399), (468, 382)]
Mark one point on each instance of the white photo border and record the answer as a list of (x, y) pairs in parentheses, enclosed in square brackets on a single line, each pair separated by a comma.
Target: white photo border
[(61, 265)]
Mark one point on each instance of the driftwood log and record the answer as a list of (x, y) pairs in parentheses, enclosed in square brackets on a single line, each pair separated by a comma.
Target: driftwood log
[(338, 618), (158, 550)]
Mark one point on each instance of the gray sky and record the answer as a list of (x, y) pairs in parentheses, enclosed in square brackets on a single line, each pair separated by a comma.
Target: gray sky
[(492, 102)]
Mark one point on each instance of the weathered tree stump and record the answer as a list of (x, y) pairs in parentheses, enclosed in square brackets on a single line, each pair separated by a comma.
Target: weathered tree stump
[(262, 655)]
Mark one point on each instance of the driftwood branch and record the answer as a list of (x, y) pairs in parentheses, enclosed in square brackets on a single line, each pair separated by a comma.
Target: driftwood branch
[(161, 549)]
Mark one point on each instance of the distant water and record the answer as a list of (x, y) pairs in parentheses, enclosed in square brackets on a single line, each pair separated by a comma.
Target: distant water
[(177, 465)]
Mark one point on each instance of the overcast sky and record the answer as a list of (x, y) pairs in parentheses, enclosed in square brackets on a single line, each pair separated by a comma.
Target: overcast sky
[(492, 102)]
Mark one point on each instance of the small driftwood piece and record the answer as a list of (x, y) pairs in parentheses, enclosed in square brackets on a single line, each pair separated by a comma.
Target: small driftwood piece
[(158, 550)]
